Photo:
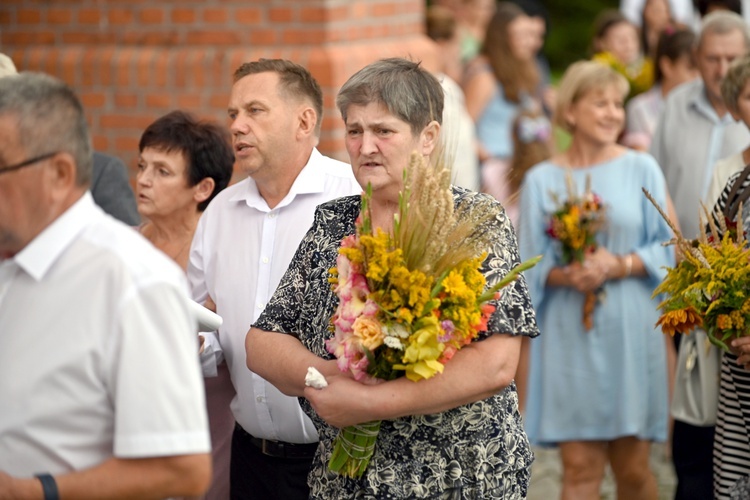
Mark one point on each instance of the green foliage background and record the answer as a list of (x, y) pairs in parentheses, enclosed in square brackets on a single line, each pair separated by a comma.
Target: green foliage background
[(571, 29)]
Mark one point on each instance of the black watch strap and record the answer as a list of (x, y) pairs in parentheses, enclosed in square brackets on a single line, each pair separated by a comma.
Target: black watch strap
[(49, 486)]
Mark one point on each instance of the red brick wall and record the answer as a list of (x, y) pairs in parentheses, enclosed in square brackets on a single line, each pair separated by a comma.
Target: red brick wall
[(132, 61)]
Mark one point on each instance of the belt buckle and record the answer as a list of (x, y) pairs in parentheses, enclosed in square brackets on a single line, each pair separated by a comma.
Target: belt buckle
[(273, 448)]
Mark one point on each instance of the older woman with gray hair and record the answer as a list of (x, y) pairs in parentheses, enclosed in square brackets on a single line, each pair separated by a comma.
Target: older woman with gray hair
[(455, 435)]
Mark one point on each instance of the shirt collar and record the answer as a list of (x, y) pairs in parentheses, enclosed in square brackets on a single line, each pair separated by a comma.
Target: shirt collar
[(699, 101), (309, 181), (40, 254)]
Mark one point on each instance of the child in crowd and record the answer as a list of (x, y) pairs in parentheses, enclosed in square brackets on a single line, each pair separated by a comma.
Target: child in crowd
[(617, 44)]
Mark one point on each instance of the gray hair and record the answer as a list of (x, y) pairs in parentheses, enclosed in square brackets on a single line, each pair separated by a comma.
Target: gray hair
[(49, 118), (408, 91), (721, 22), (735, 80)]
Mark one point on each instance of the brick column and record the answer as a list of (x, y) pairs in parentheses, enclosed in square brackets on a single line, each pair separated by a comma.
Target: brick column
[(133, 61)]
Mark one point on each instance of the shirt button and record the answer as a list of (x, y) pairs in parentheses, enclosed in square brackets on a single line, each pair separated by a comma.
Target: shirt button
[(265, 260), (259, 399), (271, 215), (260, 305)]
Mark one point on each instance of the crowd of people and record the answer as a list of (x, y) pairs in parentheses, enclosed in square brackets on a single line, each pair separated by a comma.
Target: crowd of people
[(99, 282)]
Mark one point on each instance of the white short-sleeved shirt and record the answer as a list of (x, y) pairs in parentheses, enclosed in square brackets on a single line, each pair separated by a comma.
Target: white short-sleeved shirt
[(98, 352), (240, 251)]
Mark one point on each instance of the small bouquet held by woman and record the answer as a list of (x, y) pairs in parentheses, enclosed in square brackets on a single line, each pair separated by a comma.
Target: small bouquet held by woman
[(710, 285), (575, 224), (408, 301)]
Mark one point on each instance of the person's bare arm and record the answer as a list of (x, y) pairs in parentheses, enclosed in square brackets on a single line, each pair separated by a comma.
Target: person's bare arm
[(476, 372), (118, 478), (283, 360)]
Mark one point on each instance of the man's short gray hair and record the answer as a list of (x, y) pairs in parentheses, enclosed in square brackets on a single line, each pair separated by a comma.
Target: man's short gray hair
[(722, 22), (409, 92), (49, 118)]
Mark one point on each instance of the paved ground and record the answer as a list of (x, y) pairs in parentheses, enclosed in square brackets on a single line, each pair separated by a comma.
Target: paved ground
[(547, 472)]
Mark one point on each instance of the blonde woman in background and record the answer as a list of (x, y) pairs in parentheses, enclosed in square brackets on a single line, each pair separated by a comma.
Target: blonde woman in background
[(599, 394)]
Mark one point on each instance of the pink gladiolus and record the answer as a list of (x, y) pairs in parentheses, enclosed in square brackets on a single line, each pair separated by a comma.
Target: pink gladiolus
[(343, 265), (353, 296)]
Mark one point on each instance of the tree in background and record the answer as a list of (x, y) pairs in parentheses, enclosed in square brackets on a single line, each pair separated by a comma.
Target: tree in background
[(571, 30)]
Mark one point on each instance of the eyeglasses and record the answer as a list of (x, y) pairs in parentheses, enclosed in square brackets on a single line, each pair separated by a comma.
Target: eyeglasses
[(26, 163)]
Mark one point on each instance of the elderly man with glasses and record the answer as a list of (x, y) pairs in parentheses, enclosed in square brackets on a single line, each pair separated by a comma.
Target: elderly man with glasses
[(87, 411)]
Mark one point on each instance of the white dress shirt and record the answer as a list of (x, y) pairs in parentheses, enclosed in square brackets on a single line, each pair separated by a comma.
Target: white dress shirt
[(240, 251), (97, 350)]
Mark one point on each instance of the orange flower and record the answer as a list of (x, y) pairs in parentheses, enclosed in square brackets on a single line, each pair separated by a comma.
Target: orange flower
[(724, 322), (679, 321)]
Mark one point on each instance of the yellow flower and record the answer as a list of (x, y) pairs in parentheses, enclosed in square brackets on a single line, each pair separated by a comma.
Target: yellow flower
[(454, 283), (423, 370), (738, 320), (422, 351)]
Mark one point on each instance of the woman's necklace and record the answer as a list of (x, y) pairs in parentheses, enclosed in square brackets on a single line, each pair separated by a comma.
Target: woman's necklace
[(184, 247)]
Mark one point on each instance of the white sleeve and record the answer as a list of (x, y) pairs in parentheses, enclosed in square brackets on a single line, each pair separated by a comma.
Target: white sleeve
[(196, 268), (154, 376)]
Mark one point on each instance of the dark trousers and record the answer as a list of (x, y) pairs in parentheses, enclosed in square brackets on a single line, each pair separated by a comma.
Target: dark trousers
[(253, 475), (692, 455)]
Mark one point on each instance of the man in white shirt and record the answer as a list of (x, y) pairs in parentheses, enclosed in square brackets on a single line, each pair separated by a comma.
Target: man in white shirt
[(695, 129), (87, 412), (241, 249)]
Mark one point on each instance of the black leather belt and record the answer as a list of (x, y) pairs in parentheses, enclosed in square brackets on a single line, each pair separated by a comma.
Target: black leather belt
[(280, 449)]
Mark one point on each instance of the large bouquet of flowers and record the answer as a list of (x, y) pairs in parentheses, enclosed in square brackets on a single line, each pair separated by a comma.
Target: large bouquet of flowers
[(710, 285), (409, 300), (575, 223)]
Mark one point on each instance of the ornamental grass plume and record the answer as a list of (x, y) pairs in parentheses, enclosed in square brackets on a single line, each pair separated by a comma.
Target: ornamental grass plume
[(408, 301), (710, 285)]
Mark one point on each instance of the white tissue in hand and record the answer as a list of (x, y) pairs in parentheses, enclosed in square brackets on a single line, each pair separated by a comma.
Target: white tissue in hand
[(315, 379)]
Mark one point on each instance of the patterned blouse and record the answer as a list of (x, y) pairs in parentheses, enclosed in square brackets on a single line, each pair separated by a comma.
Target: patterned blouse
[(479, 450)]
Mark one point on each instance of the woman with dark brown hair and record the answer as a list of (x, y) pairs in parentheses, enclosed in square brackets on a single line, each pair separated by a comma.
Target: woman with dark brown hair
[(498, 83)]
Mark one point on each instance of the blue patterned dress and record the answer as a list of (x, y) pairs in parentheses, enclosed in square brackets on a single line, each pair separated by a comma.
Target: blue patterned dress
[(473, 451)]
